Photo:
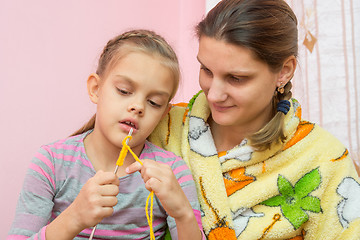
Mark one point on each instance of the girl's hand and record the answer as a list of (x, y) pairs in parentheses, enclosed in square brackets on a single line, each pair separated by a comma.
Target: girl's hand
[(96, 199), (159, 177)]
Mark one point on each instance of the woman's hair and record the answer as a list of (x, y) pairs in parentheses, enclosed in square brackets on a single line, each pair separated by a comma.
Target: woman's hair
[(269, 29), (144, 41)]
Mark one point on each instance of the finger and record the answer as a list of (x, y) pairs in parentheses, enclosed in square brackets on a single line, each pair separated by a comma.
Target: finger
[(103, 178), (160, 171), (153, 184), (107, 211), (99, 214), (133, 168), (147, 163), (109, 190), (109, 201)]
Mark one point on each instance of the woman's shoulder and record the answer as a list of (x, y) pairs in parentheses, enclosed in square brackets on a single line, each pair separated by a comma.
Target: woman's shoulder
[(311, 141), (322, 135)]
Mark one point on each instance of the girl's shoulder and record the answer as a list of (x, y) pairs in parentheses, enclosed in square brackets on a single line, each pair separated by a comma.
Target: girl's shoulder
[(176, 163), (68, 144), (154, 152)]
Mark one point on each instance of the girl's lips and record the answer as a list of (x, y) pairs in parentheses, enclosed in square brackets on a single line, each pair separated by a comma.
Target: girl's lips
[(126, 127), (127, 124), (130, 123)]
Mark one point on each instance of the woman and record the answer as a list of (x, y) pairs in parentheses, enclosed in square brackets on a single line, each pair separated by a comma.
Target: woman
[(262, 172)]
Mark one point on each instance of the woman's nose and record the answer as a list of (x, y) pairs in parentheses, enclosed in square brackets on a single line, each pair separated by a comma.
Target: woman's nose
[(217, 91)]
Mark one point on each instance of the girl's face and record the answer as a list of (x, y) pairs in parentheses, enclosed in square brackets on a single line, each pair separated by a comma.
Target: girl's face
[(238, 87), (134, 94)]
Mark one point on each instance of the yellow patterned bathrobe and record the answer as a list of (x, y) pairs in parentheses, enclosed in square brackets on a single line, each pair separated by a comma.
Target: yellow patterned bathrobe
[(306, 188)]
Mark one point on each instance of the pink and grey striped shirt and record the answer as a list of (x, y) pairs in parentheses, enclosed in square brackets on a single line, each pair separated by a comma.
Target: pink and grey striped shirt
[(59, 170)]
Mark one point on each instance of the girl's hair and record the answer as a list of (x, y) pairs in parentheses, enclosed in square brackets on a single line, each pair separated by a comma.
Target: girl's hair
[(269, 29), (145, 41)]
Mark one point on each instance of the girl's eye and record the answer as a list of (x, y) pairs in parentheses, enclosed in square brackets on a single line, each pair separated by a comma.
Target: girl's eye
[(123, 91), (154, 104)]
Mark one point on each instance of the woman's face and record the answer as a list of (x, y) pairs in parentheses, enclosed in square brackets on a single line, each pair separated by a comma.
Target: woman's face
[(238, 87)]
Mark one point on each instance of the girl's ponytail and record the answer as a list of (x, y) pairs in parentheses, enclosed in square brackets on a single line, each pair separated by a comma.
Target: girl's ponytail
[(87, 126)]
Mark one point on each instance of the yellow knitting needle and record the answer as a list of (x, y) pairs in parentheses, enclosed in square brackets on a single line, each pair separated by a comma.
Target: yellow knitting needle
[(119, 162)]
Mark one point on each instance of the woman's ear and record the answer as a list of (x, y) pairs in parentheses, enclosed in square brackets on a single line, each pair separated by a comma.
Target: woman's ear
[(93, 85), (287, 71)]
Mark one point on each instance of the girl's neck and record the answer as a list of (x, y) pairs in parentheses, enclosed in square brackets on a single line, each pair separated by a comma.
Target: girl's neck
[(103, 155)]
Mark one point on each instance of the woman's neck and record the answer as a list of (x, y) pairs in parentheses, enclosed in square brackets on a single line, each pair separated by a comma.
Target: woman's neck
[(225, 137)]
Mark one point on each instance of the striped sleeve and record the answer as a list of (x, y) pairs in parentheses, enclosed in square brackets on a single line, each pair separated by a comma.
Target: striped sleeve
[(185, 179), (34, 207)]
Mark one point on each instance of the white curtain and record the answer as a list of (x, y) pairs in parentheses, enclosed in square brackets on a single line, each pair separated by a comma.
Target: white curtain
[(327, 81)]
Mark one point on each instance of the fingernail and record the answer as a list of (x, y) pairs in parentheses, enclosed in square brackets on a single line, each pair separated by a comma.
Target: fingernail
[(127, 170)]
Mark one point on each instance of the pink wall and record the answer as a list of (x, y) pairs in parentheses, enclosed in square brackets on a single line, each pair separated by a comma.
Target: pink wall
[(47, 50)]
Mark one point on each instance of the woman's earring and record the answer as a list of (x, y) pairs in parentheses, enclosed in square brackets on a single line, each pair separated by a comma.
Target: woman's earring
[(281, 89)]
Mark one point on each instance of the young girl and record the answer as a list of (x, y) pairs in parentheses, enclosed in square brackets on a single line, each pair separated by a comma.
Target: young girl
[(71, 185)]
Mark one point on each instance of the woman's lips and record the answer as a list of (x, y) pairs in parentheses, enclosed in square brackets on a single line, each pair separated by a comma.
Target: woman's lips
[(220, 108)]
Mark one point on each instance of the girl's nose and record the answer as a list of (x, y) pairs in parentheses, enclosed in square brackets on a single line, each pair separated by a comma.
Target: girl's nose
[(137, 108), (217, 91)]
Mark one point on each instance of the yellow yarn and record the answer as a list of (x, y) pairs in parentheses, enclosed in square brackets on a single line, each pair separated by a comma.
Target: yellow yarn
[(124, 151), (149, 218), (120, 162)]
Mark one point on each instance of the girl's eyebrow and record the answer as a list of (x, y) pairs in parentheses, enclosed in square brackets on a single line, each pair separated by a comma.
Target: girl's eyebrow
[(125, 78)]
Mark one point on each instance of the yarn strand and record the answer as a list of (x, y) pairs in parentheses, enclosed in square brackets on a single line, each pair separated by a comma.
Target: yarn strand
[(150, 198), (150, 218)]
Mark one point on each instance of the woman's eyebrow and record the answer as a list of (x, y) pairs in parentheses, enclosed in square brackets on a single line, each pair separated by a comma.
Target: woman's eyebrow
[(234, 72), (197, 57)]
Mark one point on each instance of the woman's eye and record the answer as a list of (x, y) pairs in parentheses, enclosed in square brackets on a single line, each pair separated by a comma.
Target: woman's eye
[(206, 70), (237, 79), (154, 104)]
